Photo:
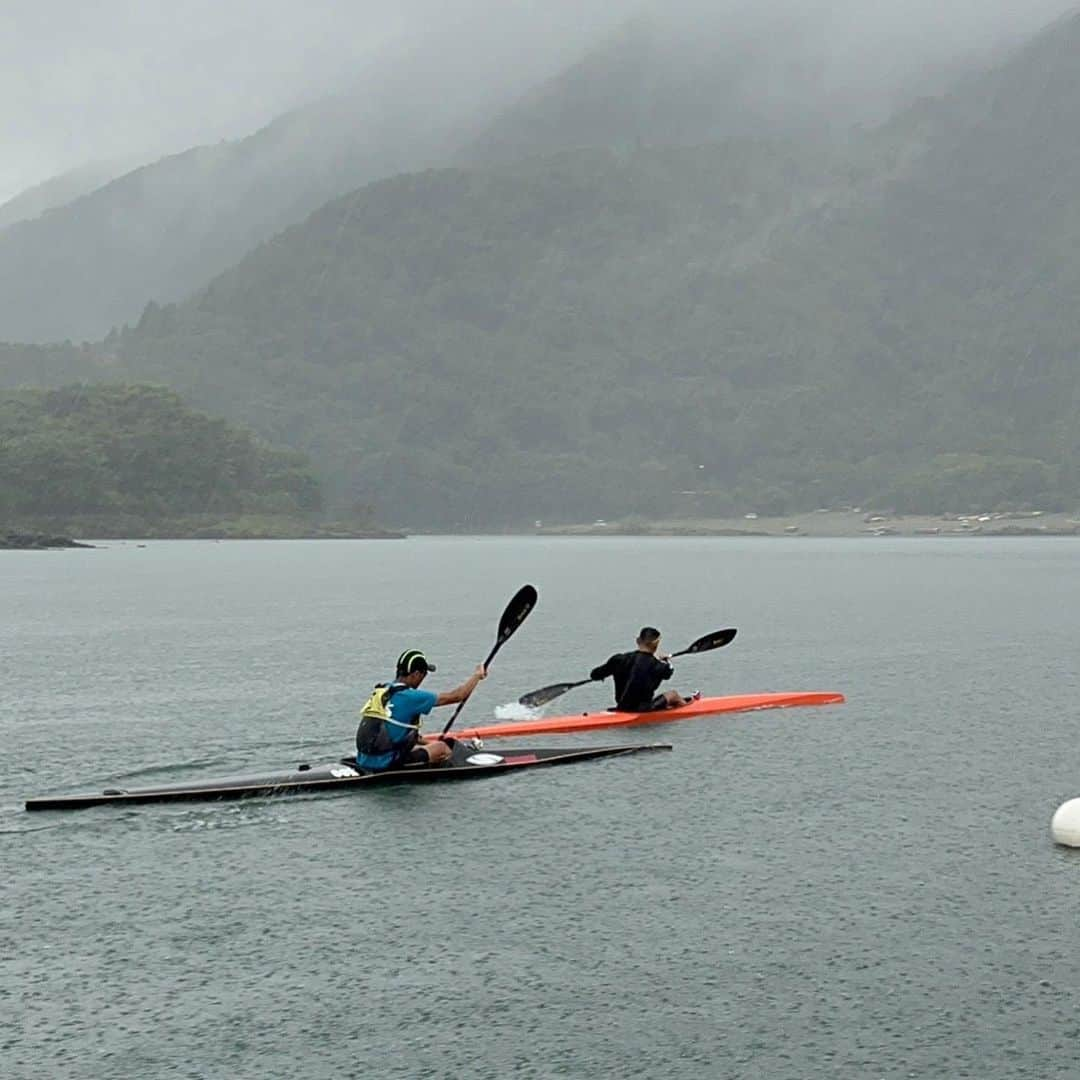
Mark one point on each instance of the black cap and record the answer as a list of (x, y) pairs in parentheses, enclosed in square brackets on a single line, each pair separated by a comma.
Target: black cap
[(413, 660)]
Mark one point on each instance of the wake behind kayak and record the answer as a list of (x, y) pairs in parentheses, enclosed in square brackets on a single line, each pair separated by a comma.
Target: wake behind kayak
[(467, 763)]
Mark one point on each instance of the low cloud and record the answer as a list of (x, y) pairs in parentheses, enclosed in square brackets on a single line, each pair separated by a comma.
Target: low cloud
[(81, 82)]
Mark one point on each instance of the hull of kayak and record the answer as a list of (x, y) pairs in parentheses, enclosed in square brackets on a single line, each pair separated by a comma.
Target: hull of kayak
[(468, 763), (546, 725)]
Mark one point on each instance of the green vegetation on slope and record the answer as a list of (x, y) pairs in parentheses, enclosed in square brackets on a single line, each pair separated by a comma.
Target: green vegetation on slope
[(135, 458), (463, 348)]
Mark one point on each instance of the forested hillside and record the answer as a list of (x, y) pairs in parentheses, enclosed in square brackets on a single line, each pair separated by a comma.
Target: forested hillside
[(93, 459), (474, 347)]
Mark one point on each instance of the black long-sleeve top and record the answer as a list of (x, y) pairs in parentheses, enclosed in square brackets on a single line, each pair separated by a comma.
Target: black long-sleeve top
[(637, 675)]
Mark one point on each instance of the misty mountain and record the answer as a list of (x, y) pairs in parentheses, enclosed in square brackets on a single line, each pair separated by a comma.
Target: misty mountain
[(753, 324), (953, 278), (162, 231), (683, 74), (60, 190), (655, 84)]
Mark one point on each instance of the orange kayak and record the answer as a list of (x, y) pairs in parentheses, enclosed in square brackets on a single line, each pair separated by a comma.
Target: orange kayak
[(709, 706)]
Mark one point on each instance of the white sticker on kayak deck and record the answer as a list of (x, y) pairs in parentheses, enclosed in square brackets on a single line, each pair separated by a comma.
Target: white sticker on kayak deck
[(340, 772), (483, 759)]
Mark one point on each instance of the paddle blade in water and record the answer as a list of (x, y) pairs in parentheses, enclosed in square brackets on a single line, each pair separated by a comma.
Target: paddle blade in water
[(545, 694)]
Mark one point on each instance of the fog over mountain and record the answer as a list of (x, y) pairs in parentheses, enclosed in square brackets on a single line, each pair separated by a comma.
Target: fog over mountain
[(81, 82), (62, 189)]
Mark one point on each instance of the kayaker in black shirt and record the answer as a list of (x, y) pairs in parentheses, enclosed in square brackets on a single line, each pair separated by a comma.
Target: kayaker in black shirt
[(638, 674)]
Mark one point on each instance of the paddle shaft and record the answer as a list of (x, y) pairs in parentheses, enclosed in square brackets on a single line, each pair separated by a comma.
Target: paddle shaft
[(461, 703)]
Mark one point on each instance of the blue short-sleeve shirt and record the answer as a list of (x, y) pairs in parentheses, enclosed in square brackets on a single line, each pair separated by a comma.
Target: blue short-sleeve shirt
[(406, 708)]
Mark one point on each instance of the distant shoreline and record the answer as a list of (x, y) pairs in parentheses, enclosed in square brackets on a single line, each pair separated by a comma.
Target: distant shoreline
[(837, 524), (833, 524), (27, 540)]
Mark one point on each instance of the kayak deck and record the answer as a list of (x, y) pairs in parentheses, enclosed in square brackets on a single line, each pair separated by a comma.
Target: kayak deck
[(609, 719), (468, 762)]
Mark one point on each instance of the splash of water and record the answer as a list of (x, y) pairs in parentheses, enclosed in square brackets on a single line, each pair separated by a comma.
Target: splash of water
[(514, 710)]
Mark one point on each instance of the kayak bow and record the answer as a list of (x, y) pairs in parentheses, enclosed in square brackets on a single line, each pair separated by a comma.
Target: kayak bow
[(546, 725), (468, 763)]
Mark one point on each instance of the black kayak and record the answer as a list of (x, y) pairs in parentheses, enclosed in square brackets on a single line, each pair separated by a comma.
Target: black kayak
[(468, 762)]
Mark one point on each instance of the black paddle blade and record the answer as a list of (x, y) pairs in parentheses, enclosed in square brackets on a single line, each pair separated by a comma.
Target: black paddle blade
[(545, 694), (716, 640), (517, 611)]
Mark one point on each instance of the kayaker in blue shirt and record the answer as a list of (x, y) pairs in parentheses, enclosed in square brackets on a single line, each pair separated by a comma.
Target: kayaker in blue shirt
[(389, 733), (639, 674)]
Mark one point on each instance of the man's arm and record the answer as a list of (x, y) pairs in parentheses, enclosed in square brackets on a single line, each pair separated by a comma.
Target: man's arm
[(604, 670), (460, 693)]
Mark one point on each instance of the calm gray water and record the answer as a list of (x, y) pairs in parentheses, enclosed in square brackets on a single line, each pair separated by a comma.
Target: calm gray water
[(866, 890)]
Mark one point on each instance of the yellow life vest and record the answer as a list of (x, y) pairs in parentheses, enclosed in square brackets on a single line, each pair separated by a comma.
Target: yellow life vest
[(372, 736)]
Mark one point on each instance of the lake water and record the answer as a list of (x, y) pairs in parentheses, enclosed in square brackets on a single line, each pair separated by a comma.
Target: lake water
[(865, 890)]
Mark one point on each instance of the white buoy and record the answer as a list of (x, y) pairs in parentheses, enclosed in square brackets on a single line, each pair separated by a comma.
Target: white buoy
[(1065, 828)]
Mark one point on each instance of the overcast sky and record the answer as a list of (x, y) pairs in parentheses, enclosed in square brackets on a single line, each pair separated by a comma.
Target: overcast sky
[(84, 80)]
